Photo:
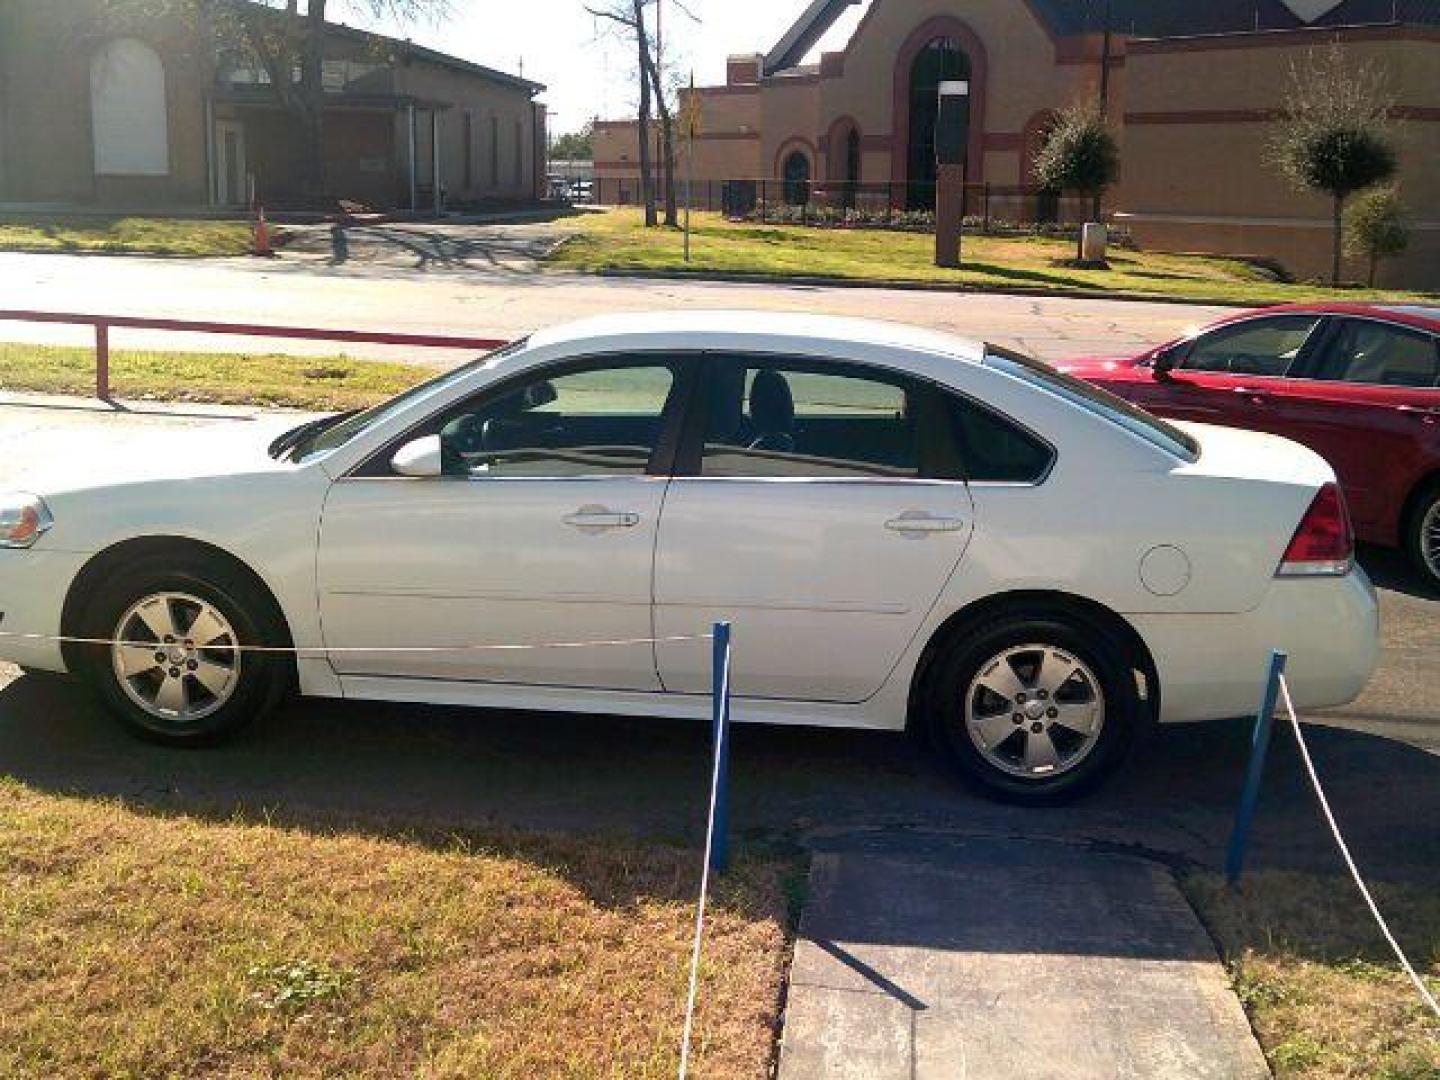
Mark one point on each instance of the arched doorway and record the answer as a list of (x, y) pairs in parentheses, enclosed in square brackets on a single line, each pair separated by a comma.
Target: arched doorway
[(796, 174), (940, 60)]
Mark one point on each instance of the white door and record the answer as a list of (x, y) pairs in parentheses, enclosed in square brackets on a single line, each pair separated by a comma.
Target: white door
[(231, 183), (811, 526), (541, 532)]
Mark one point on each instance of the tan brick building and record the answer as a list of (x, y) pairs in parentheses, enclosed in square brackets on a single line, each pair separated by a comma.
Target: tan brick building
[(1194, 90), (140, 114)]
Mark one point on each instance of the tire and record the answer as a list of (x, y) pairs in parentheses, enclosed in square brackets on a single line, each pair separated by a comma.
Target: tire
[(1422, 535), (218, 690), (1049, 741)]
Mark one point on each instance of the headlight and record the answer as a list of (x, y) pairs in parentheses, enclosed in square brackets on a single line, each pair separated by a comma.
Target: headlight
[(23, 518)]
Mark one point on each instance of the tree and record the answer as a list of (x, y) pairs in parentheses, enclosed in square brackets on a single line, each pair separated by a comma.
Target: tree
[(279, 37), (627, 17), (575, 145), (1080, 155), (1377, 227), (1335, 135)]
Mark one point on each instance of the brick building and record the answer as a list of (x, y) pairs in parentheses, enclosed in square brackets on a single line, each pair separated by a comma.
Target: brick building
[(142, 114), (1194, 91)]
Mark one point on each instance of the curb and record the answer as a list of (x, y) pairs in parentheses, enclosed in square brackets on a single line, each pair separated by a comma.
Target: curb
[(900, 284)]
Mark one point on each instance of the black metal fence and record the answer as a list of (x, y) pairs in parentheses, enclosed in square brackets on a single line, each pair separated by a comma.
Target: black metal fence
[(860, 205)]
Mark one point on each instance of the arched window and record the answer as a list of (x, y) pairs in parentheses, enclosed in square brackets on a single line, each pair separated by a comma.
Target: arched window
[(852, 167), (939, 61), (797, 178), (127, 110)]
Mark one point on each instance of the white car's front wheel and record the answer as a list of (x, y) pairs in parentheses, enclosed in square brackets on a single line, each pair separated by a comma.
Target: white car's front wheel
[(175, 670), (1033, 709)]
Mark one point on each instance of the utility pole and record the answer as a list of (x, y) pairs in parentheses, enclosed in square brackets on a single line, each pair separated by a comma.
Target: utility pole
[(1106, 47)]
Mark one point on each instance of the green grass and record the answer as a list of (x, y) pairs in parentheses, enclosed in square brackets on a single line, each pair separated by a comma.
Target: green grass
[(618, 241), (134, 944), (129, 235), (303, 382), (1324, 993)]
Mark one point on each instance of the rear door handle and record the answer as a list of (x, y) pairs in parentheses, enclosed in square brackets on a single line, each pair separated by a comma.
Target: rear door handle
[(923, 523), (600, 518), (1257, 397)]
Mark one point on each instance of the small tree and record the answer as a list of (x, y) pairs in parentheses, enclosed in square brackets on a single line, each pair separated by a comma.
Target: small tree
[(1080, 155), (1377, 227), (1335, 136)]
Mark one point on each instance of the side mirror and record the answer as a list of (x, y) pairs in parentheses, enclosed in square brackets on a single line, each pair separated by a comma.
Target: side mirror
[(421, 458), (1164, 363)]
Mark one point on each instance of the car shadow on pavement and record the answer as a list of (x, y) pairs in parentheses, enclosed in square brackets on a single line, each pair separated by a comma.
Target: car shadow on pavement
[(1391, 569), (424, 771)]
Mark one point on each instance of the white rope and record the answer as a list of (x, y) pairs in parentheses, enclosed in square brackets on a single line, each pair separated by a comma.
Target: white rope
[(1420, 986), (704, 891), (321, 651)]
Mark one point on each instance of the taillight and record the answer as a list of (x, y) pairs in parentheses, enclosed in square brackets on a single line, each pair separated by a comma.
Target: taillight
[(1324, 543)]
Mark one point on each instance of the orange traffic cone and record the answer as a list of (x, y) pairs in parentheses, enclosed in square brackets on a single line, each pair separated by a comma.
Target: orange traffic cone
[(262, 235)]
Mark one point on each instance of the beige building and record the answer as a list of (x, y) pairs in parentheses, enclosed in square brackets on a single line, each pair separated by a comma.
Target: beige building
[(1194, 90), (139, 113)]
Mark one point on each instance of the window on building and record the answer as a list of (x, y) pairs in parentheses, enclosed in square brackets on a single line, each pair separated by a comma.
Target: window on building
[(797, 178), (469, 151), (494, 152), (942, 60), (128, 113), (519, 154)]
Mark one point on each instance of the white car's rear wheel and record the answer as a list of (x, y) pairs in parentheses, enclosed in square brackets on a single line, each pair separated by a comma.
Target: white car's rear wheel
[(175, 670), (1033, 709)]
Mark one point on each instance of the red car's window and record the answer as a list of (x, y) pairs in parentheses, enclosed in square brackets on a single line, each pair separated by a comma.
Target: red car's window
[(1380, 354), (1256, 347)]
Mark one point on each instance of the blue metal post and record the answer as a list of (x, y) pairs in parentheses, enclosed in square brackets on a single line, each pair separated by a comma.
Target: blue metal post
[(720, 842), (1260, 746)]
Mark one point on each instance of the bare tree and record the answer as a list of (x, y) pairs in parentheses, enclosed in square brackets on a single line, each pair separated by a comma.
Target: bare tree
[(627, 17)]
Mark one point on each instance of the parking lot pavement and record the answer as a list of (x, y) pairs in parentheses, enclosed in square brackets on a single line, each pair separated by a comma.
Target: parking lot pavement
[(331, 763)]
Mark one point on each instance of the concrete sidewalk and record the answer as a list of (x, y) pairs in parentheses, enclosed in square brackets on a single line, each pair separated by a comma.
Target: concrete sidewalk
[(1000, 959)]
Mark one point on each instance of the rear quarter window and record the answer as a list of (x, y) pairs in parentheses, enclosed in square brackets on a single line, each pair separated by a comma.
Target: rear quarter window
[(993, 449), (1097, 402)]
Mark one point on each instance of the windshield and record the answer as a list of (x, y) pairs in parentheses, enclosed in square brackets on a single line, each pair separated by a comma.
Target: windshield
[(1092, 399), (321, 437)]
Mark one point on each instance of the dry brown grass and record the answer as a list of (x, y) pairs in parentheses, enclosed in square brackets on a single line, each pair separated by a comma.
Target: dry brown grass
[(142, 945), (1324, 993)]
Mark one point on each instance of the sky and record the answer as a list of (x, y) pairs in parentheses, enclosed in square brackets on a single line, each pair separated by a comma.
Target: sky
[(587, 71)]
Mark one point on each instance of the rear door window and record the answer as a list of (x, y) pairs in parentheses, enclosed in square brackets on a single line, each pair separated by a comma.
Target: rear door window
[(1380, 354), (782, 418)]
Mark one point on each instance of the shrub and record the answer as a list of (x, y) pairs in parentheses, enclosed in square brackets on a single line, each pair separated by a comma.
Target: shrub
[(1378, 227)]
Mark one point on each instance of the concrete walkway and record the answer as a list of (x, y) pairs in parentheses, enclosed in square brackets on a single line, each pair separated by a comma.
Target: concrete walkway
[(999, 959)]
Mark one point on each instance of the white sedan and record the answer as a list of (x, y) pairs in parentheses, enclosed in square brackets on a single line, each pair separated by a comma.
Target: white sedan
[(903, 527)]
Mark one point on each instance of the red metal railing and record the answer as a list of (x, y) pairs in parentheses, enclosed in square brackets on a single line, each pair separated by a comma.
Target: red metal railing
[(103, 324)]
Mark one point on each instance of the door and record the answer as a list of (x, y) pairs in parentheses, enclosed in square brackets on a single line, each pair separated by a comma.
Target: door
[(1224, 376), (541, 531), (231, 184), (1368, 403), (809, 519)]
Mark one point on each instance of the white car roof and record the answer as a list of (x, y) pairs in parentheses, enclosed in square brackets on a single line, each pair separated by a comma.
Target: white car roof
[(760, 330)]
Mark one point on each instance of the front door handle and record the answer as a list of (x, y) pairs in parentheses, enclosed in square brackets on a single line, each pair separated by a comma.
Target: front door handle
[(598, 517), (923, 523)]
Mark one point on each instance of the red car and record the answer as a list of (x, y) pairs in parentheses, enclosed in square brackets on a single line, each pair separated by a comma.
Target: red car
[(1359, 384)]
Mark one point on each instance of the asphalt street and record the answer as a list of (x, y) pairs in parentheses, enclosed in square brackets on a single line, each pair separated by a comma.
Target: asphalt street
[(501, 295)]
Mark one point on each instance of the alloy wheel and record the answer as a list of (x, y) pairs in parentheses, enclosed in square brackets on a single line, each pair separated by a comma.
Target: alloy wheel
[(1430, 539), (1035, 711), (176, 657)]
